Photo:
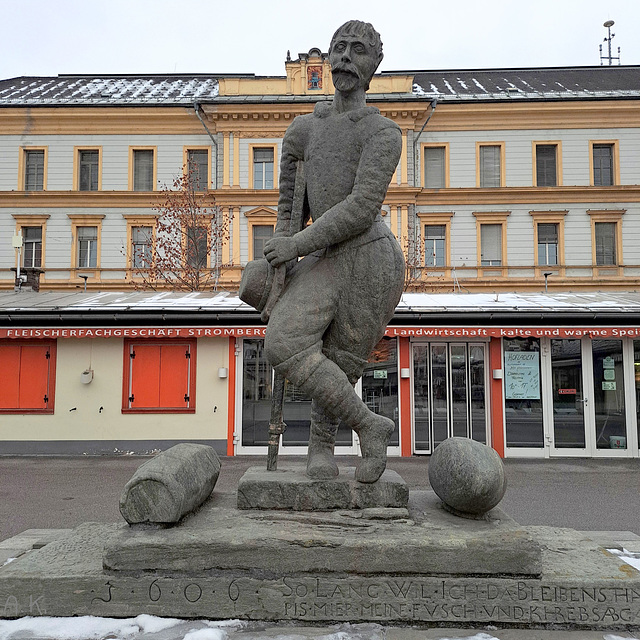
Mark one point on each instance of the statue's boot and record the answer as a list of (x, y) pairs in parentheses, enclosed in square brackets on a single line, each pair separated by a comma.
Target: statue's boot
[(328, 385), (321, 464)]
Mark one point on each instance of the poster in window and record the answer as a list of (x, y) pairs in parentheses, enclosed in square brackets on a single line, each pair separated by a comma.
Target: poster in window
[(522, 375)]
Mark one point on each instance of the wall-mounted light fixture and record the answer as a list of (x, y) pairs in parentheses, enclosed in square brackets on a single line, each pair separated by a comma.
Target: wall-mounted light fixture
[(223, 372), (86, 376)]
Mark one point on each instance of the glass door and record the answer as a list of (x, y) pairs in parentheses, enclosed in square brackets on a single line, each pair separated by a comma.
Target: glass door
[(569, 433), (448, 393)]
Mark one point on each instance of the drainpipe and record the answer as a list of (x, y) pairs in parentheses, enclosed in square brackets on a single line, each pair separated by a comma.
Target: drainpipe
[(196, 109)]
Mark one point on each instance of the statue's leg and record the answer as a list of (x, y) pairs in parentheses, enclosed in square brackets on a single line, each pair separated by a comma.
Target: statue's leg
[(328, 385), (322, 438)]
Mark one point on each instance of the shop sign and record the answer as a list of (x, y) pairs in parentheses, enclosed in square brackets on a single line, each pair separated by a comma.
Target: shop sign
[(608, 386), (469, 333), (567, 392), (608, 363), (380, 374), (522, 375), (609, 374)]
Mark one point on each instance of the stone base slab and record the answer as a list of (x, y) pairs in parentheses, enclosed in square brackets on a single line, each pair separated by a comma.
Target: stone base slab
[(429, 541), (578, 585), (289, 488)]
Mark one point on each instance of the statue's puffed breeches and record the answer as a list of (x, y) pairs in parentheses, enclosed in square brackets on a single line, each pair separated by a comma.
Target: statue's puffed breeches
[(336, 303)]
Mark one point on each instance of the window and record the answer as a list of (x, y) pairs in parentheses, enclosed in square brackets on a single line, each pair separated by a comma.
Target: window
[(261, 223), (490, 167), (491, 245), (605, 234), (603, 169), (263, 171), (436, 166), (606, 238), (547, 243), (31, 246), (87, 244), (27, 376), (548, 248), (159, 377), (142, 167), (197, 247), (491, 228), (85, 233), (141, 239), (434, 245), (88, 171), (33, 170), (261, 233), (198, 168), (546, 165)]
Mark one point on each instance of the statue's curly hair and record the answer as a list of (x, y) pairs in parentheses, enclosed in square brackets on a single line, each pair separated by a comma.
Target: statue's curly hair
[(361, 29)]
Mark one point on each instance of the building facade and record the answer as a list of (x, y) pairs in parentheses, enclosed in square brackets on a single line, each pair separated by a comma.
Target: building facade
[(511, 183)]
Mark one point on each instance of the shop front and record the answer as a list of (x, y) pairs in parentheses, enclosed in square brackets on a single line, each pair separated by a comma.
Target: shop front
[(531, 376)]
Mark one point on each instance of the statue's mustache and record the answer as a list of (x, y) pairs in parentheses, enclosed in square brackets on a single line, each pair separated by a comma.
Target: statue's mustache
[(345, 68)]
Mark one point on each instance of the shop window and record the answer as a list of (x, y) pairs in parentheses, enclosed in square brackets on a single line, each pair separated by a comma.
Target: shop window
[(88, 176), (27, 376), (142, 169), (604, 163), (522, 392), (435, 237), (546, 167), (33, 170), (261, 233), (609, 394), (263, 167), (490, 165), (197, 166), (159, 377), (436, 163)]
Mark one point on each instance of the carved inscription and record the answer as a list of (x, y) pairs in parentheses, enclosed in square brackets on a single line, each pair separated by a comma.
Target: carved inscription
[(450, 600)]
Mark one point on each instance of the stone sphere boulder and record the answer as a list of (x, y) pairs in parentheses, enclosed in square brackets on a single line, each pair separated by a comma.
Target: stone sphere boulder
[(467, 476)]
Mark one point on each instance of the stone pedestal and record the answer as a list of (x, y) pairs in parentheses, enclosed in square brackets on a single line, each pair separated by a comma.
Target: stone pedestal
[(419, 566), (290, 489)]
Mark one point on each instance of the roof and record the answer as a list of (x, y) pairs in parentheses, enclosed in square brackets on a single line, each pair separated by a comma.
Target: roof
[(165, 90), (33, 309), (551, 83)]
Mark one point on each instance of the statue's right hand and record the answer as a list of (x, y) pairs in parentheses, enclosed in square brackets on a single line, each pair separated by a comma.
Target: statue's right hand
[(277, 251)]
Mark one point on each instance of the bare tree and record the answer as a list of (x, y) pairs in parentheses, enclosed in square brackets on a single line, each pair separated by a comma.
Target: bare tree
[(183, 251)]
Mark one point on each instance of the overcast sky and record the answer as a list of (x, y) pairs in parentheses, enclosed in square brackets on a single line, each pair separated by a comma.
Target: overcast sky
[(51, 37)]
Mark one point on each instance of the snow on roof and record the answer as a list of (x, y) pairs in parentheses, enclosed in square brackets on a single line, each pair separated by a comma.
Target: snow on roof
[(623, 302), (107, 90)]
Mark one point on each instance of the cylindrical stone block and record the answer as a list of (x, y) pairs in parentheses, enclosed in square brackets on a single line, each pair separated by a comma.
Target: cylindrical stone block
[(171, 485), (467, 476)]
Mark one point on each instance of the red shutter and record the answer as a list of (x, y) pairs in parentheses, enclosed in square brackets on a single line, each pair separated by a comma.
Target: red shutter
[(34, 377), (144, 381), (9, 376), (174, 376), (159, 376)]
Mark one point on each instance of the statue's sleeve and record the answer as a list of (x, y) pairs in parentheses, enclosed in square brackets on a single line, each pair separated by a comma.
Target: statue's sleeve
[(292, 151), (357, 212)]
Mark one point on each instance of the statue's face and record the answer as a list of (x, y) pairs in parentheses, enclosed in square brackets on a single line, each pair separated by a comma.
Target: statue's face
[(353, 62)]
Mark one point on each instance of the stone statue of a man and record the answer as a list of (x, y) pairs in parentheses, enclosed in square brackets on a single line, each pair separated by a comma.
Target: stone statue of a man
[(338, 299)]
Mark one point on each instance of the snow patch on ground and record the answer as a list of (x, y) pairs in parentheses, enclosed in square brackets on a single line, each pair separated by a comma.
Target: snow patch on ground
[(627, 556)]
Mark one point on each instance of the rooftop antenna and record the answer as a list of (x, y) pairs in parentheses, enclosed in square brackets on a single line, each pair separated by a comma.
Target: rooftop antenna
[(608, 24)]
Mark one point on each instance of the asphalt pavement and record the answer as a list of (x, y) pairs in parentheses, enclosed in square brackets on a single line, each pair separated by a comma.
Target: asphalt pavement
[(46, 492)]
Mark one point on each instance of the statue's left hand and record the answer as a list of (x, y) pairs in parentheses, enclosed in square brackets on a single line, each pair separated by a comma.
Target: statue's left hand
[(280, 250)]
